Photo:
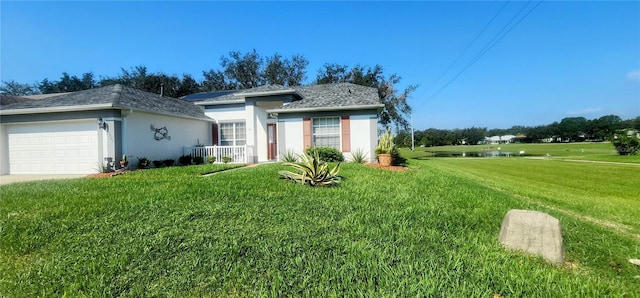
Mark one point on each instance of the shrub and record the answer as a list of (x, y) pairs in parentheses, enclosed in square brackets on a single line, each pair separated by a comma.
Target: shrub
[(313, 171), (157, 163), (211, 159), (185, 160), (226, 159), (385, 144), (327, 154), (198, 160), (143, 162), (626, 142), (397, 159), (359, 156), (289, 156), (168, 162)]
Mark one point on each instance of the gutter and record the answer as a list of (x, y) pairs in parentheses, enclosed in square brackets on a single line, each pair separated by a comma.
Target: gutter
[(267, 93), (324, 109), (48, 110)]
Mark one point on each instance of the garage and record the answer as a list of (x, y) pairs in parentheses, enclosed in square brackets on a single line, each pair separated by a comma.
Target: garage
[(60, 147)]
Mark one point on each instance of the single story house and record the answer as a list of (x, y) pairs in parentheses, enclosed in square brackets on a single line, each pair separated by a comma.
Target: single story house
[(79, 132), (271, 120)]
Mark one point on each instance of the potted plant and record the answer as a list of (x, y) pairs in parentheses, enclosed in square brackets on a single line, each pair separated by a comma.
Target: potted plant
[(124, 162), (385, 149)]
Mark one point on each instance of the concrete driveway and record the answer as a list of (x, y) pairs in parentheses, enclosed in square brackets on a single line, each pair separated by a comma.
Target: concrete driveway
[(7, 179)]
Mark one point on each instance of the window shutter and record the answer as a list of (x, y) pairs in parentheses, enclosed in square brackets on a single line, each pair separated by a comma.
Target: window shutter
[(214, 133), (306, 132), (346, 134)]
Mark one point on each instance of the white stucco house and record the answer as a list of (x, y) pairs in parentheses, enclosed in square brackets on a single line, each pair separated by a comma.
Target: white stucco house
[(76, 133), (271, 120)]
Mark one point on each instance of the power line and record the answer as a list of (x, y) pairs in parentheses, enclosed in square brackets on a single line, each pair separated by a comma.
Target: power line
[(489, 45), (467, 47)]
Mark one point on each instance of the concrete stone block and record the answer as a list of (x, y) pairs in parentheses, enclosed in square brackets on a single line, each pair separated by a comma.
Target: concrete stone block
[(533, 232)]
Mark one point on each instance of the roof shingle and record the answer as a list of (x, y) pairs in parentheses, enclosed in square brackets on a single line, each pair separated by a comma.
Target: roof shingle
[(115, 96)]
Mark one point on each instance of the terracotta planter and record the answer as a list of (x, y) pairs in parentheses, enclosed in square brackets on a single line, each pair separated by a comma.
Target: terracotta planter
[(124, 164), (385, 159)]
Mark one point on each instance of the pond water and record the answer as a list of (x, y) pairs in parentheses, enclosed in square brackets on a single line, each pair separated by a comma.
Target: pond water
[(495, 153)]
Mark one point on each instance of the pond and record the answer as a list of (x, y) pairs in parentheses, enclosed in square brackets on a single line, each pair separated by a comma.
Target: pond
[(495, 153)]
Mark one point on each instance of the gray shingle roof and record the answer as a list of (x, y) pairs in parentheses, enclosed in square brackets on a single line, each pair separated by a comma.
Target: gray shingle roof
[(114, 96), (340, 95), (6, 99), (323, 96)]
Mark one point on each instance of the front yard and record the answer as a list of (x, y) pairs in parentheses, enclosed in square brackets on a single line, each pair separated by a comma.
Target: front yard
[(171, 232)]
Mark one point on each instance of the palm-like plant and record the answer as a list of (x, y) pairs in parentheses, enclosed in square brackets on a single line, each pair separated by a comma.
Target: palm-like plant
[(313, 171)]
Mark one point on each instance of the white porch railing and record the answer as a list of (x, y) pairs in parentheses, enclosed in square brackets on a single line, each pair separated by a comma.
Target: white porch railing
[(238, 154)]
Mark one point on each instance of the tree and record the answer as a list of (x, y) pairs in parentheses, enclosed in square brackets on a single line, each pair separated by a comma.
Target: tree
[(214, 80), (572, 128), (284, 71), (474, 135), (395, 101), (626, 142), (68, 83), (245, 71), (169, 85), (14, 88)]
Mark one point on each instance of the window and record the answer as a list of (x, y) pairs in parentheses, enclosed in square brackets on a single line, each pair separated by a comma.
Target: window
[(233, 134), (326, 132)]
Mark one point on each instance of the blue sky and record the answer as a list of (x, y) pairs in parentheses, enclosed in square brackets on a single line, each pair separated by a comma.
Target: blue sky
[(564, 59)]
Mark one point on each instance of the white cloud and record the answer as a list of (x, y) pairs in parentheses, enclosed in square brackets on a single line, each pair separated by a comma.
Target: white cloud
[(584, 111), (633, 76)]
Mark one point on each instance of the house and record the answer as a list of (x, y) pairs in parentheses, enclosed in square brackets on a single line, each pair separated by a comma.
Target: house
[(78, 132), (271, 120)]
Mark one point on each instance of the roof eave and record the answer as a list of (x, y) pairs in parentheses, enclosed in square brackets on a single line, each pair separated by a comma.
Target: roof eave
[(325, 109), (55, 109), (203, 118), (268, 93), (222, 102)]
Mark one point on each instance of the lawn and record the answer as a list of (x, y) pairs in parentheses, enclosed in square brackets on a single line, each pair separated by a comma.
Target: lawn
[(429, 231)]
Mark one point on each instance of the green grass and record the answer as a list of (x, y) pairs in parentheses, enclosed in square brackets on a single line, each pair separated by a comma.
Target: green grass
[(603, 151), (430, 231)]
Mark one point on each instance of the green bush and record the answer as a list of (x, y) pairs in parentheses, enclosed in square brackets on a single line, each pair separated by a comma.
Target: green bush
[(198, 160), (313, 171), (158, 163), (289, 156), (143, 162), (359, 156), (626, 142), (226, 159), (327, 154), (168, 162), (385, 144), (185, 160), (211, 159)]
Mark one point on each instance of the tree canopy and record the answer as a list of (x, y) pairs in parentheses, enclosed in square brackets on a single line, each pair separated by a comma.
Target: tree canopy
[(569, 129), (396, 107)]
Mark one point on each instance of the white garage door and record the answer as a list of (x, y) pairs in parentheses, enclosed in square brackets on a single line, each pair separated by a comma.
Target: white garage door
[(53, 148)]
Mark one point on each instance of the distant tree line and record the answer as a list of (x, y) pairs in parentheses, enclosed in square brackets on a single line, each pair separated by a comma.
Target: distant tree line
[(238, 71), (571, 129)]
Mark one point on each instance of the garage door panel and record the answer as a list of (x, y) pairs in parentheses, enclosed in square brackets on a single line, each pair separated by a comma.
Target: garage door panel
[(53, 148)]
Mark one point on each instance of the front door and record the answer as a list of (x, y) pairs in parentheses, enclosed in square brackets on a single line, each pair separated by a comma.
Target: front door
[(272, 142)]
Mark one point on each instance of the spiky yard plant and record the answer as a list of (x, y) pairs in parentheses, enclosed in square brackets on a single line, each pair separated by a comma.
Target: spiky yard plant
[(313, 171)]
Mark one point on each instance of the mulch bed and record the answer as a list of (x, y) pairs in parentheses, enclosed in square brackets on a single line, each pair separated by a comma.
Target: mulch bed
[(107, 175), (392, 168)]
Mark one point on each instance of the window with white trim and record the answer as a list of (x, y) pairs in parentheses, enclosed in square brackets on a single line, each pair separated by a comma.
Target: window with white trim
[(233, 134), (326, 132)]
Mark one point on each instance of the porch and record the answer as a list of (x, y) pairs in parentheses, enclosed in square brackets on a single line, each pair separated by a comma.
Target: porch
[(235, 154)]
